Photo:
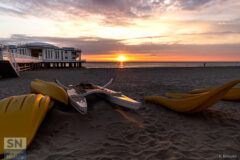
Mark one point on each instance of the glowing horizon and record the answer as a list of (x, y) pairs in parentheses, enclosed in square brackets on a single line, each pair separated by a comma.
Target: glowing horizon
[(149, 58)]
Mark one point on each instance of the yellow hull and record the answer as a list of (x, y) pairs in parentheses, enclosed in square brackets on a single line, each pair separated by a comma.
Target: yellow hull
[(20, 116), (51, 89), (232, 95), (195, 103)]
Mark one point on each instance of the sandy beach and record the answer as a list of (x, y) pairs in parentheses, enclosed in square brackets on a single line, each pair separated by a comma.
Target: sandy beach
[(153, 133)]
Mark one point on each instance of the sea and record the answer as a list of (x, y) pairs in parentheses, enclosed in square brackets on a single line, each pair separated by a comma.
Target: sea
[(158, 64)]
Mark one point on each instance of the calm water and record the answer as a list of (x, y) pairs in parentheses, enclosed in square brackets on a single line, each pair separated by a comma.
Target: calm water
[(157, 64)]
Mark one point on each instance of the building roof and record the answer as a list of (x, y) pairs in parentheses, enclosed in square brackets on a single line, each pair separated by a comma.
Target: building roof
[(39, 44), (43, 45)]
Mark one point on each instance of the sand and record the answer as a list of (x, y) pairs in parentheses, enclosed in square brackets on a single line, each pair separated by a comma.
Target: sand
[(153, 132)]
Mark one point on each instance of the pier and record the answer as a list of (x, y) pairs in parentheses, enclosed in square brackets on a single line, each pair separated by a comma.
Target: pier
[(9, 70), (26, 66), (35, 56), (75, 64)]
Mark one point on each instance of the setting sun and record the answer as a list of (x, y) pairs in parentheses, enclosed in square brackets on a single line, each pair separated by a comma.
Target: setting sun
[(121, 58)]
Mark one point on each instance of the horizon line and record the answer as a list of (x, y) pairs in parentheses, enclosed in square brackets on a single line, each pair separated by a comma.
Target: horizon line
[(164, 61)]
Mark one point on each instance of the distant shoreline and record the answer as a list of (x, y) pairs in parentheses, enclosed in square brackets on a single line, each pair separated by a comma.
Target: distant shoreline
[(158, 64), (164, 62)]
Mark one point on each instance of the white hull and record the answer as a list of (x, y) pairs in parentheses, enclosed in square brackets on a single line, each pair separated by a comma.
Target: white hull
[(78, 101)]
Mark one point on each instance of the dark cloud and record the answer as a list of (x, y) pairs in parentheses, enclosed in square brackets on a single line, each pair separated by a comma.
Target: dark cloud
[(99, 46), (10, 11), (89, 45), (112, 10), (195, 4)]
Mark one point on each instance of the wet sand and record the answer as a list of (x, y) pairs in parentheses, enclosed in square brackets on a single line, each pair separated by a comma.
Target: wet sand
[(153, 132)]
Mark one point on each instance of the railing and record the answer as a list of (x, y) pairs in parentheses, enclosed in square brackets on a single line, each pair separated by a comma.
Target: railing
[(9, 57), (59, 60), (25, 68), (25, 57)]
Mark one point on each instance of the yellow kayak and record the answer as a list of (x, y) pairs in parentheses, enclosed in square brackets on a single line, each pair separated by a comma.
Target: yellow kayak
[(20, 116), (232, 95), (182, 95), (51, 89), (196, 103)]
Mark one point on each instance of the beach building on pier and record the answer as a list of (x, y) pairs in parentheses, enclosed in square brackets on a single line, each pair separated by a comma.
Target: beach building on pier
[(38, 55), (46, 55), (46, 52)]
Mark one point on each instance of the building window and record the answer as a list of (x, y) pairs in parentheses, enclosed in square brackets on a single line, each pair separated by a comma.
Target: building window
[(48, 54), (51, 54)]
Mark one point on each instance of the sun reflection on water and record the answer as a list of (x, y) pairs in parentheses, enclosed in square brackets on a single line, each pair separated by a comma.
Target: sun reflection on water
[(121, 64)]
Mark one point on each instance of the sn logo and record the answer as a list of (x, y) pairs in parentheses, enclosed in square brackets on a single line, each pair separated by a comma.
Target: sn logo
[(15, 143), (15, 148)]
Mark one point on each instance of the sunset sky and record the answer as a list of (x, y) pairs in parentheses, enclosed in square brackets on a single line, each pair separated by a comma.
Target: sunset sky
[(140, 30)]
